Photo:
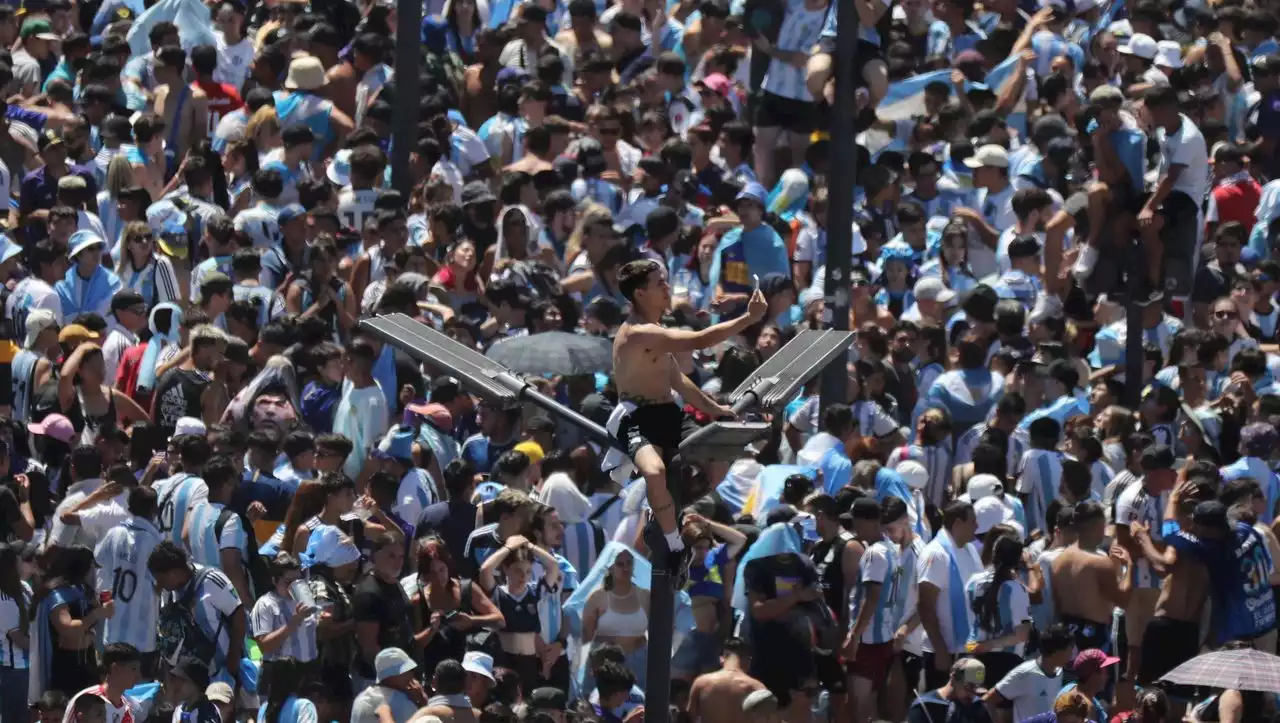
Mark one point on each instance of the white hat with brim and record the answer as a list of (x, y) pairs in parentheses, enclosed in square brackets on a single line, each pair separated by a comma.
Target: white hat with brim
[(1140, 45), (391, 662), (305, 73), (81, 240)]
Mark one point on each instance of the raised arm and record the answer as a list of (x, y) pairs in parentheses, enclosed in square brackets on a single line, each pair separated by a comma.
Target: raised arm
[(675, 341)]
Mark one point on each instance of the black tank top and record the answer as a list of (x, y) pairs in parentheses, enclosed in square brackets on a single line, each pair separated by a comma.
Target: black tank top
[(826, 558), (178, 395)]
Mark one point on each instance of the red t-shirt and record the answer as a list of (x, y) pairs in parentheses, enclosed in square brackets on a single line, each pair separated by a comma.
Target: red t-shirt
[(127, 373), (223, 99), (447, 278)]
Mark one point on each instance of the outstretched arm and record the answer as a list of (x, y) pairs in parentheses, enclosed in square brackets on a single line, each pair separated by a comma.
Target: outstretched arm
[(674, 341)]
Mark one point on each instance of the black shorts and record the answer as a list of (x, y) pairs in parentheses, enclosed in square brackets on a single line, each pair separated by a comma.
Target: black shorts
[(1087, 633), (998, 664), (1181, 231), (1166, 644), (775, 111), (659, 425)]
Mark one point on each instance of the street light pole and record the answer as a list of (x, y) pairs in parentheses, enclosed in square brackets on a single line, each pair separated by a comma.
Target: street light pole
[(841, 183), (404, 112)]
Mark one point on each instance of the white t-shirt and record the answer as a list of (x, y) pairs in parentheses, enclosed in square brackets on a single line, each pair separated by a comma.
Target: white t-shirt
[(1031, 690), (261, 223), (354, 207), (873, 568), (1186, 147), (1135, 504), (122, 557), (909, 560), (935, 568), (31, 293), (468, 150), (234, 61), (73, 535)]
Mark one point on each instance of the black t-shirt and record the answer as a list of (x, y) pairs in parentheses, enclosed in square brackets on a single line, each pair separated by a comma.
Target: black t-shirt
[(1214, 282), (451, 521), (385, 604), (790, 635)]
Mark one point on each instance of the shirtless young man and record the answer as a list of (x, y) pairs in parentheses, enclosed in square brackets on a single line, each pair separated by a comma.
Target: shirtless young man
[(649, 377), (1098, 582), (1173, 634), (717, 697)]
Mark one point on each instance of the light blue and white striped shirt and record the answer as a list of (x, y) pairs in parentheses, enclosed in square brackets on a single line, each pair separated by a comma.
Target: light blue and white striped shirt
[(1013, 606), (273, 612), (800, 31), (551, 602), (175, 498), (1038, 480), (879, 565), (122, 557), (206, 543), (579, 546)]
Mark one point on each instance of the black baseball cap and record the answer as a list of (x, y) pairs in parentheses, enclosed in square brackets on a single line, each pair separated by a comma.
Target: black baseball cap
[(548, 698)]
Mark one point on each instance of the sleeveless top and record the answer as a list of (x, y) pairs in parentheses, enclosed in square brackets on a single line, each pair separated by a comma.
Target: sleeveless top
[(311, 110), (88, 424), (620, 624), (172, 141)]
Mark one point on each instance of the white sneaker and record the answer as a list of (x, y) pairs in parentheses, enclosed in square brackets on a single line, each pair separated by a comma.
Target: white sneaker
[(1085, 262)]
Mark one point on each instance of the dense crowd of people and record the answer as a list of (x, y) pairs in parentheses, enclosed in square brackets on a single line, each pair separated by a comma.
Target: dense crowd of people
[(224, 498)]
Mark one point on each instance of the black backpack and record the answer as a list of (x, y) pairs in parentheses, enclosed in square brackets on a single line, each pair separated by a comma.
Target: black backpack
[(259, 573), (178, 633)]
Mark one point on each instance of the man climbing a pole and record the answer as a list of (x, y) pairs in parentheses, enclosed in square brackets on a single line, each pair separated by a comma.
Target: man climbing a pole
[(649, 421)]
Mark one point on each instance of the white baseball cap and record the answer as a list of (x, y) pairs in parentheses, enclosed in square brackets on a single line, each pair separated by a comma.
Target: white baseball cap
[(988, 156), (1142, 45)]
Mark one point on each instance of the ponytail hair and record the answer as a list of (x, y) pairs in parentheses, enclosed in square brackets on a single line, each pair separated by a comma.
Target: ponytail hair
[(1006, 555)]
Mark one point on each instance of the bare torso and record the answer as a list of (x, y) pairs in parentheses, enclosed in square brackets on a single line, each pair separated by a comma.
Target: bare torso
[(1183, 592), (719, 695), (1080, 572), (642, 374)]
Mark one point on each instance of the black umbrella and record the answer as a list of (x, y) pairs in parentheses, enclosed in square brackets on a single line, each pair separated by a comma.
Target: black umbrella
[(554, 352)]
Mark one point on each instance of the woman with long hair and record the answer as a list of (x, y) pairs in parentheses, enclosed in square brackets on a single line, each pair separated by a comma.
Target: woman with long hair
[(144, 271), (278, 380), (282, 704), (262, 133), (460, 278), (618, 612), (463, 18), (319, 292), (448, 608), (339, 495), (119, 177), (518, 600), (307, 502), (85, 398), (691, 284), (952, 263), (15, 637), (1001, 607), (240, 162), (65, 657)]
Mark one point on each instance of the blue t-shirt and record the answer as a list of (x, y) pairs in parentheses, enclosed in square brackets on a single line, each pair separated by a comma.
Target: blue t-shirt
[(1239, 569), (319, 402)]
